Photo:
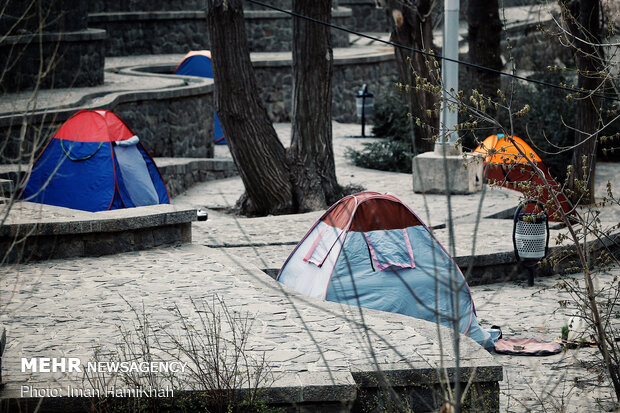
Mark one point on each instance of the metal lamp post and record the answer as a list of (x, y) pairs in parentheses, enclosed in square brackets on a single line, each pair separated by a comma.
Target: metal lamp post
[(364, 101), (530, 237)]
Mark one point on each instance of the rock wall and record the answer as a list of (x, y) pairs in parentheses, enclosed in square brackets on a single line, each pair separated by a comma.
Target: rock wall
[(103, 6), (182, 174), (139, 33), (50, 16), (74, 59), (178, 31), (172, 127), (170, 123), (272, 31), (73, 55), (367, 16), (276, 85)]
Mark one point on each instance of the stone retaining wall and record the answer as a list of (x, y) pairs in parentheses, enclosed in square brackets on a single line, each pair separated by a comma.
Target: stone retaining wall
[(178, 31), (139, 33), (276, 84), (98, 6), (51, 16), (367, 16), (170, 122), (73, 55), (174, 126), (95, 234), (75, 59), (272, 31), (182, 174), (101, 6)]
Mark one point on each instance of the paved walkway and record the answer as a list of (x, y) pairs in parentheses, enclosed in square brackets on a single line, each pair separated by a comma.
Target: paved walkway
[(68, 306), (566, 381)]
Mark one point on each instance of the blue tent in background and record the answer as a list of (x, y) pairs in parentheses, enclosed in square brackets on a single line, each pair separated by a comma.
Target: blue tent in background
[(94, 163), (198, 63), (370, 250)]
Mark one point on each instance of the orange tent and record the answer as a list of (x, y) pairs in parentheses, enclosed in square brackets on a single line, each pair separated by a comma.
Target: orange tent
[(508, 162)]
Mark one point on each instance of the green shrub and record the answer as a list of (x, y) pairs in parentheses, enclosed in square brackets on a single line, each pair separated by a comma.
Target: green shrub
[(385, 155), (391, 120), (394, 152)]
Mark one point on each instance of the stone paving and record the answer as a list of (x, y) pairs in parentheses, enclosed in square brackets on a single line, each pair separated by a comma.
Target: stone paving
[(68, 306), (569, 381), (493, 235), (539, 384)]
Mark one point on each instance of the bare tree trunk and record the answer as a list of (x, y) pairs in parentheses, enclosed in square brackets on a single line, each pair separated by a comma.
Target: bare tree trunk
[(276, 180), (484, 36), (583, 21), (258, 153), (311, 156), (411, 25)]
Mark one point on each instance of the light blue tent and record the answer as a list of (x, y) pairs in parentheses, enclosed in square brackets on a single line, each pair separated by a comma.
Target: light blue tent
[(371, 250)]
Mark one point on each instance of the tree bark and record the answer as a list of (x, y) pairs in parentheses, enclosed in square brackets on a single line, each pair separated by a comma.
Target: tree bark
[(311, 156), (583, 21), (277, 180), (255, 147), (484, 36), (411, 25)]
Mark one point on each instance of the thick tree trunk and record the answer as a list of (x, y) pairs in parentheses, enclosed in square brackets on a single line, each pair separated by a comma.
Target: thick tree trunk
[(311, 156), (258, 153), (583, 21), (411, 25), (484, 36)]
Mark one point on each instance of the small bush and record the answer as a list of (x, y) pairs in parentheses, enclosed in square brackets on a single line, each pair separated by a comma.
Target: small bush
[(386, 155), (391, 120), (395, 151)]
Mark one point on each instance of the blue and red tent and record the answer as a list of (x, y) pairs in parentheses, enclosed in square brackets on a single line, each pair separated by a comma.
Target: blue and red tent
[(93, 163), (198, 63)]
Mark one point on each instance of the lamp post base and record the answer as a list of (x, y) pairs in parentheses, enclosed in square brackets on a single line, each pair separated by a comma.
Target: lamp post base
[(464, 173)]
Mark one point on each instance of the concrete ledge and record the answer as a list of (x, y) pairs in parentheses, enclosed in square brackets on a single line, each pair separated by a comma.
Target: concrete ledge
[(181, 173), (38, 232), (337, 391), (77, 36), (194, 14), (317, 388), (420, 389), (173, 114), (133, 16), (503, 266)]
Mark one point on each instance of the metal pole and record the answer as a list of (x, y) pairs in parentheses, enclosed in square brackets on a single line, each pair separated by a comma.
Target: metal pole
[(363, 108), (448, 118)]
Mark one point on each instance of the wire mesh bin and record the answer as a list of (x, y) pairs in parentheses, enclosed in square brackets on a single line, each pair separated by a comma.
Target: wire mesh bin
[(530, 233), (531, 238)]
